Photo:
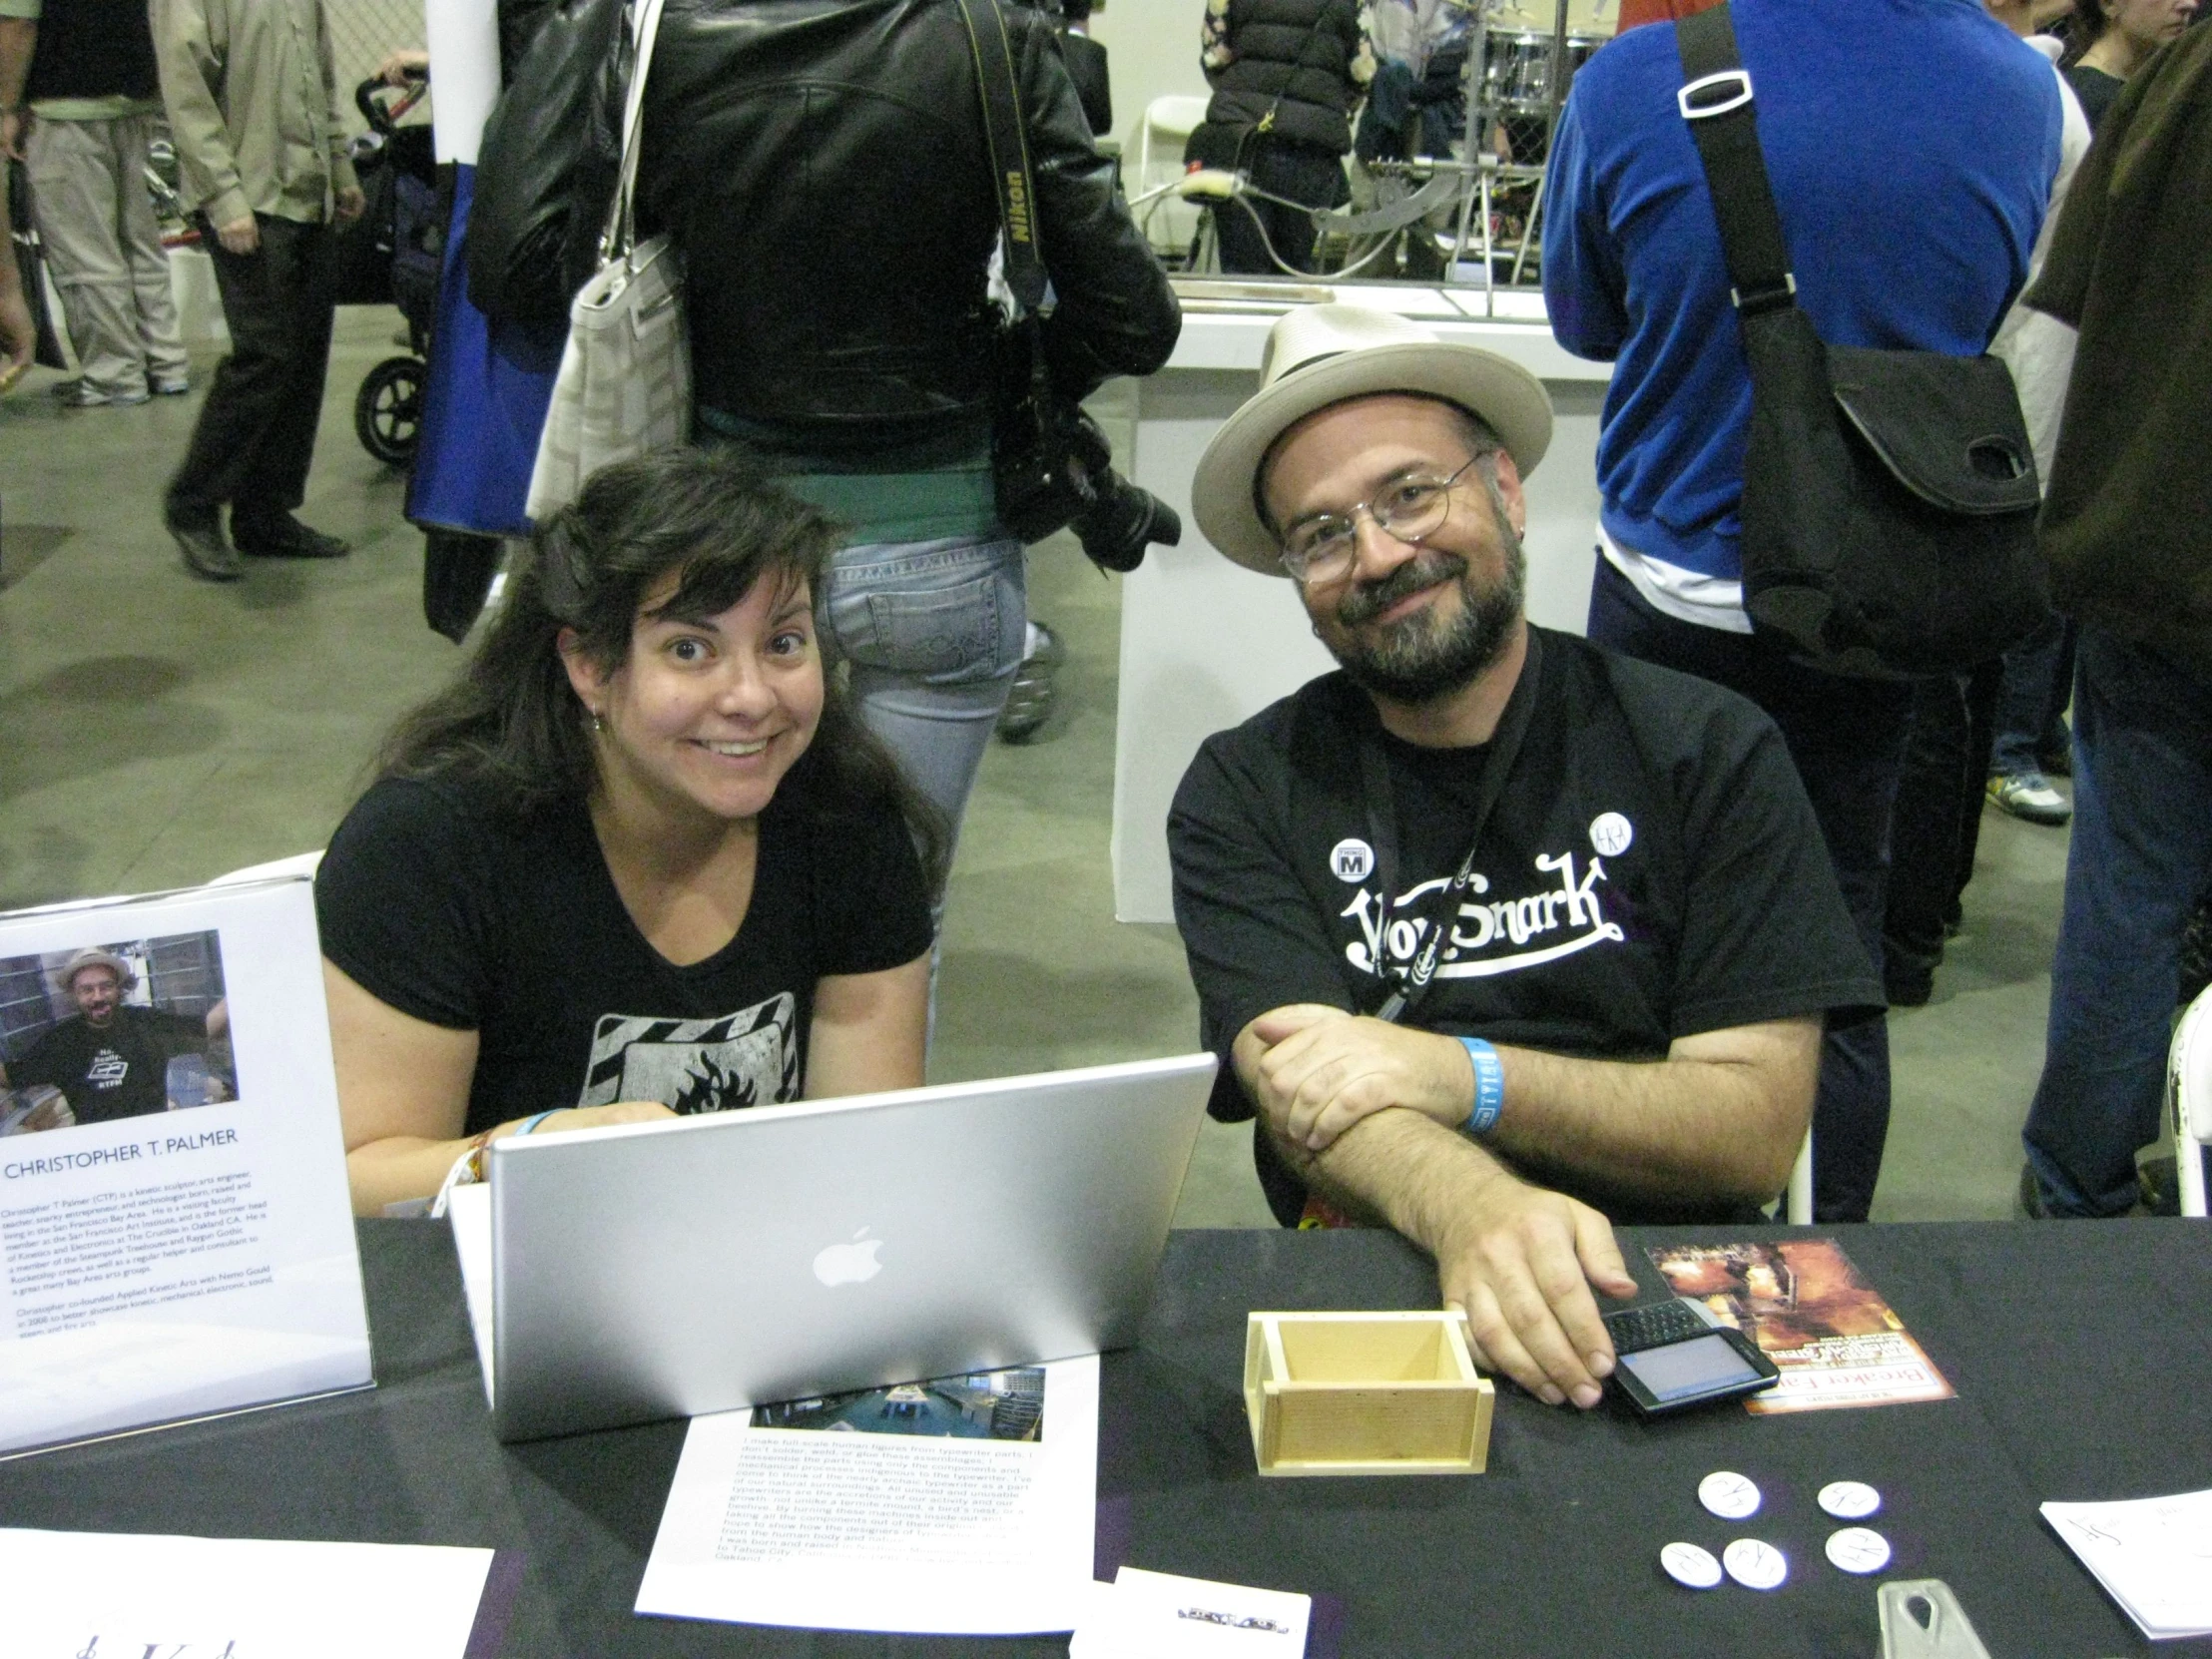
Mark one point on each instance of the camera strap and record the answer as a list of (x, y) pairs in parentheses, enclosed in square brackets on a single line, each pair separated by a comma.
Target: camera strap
[(1434, 916), (1008, 142)]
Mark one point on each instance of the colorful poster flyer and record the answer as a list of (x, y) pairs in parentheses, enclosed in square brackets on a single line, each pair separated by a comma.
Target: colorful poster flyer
[(1828, 1333), (176, 1238)]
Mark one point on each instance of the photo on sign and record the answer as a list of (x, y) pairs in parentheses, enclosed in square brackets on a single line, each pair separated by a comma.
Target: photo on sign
[(983, 1405), (122, 1029)]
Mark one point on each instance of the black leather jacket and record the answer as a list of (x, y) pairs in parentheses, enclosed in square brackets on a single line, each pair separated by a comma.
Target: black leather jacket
[(821, 163)]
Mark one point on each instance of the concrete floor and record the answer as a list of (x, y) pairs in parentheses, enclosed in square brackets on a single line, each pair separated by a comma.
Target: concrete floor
[(157, 729)]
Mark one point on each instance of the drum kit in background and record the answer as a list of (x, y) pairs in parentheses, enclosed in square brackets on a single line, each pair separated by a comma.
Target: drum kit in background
[(1491, 175)]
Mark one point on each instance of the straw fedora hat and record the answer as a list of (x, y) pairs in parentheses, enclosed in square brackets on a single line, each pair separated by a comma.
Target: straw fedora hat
[(65, 976), (1322, 354)]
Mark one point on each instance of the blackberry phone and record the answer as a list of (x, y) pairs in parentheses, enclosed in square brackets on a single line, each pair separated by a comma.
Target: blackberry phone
[(1668, 1359)]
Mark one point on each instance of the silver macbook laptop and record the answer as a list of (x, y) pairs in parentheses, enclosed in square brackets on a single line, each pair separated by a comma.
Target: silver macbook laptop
[(707, 1263)]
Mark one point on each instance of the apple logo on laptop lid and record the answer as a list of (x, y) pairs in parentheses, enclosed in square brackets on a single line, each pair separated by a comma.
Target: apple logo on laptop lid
[(852, 1263)]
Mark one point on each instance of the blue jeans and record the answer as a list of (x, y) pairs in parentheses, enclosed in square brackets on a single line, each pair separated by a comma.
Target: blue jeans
[(933, 630), (2142, 854), (2037, 673), (1848, 739)]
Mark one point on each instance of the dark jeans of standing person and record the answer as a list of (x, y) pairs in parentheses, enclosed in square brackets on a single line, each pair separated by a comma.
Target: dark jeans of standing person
[(2141, 855), (1937, 826), (2038, 677), (256, 436), (1297, 172), (1848, 739)]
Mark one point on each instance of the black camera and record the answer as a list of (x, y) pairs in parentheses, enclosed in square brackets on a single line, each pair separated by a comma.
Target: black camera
[(1055, 471)]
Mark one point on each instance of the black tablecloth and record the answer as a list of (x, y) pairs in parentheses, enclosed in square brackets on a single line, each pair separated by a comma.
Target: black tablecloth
[(2081, 1354)]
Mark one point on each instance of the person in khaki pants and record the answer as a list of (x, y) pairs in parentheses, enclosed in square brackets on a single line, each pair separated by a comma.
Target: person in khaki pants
[(252, 110), (87, 68)]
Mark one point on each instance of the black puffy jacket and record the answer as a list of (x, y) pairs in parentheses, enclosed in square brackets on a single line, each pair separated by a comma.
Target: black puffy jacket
[(821, 163), (1294, 57)]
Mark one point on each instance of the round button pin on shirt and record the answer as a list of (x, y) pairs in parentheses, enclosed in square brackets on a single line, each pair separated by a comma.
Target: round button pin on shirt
[(1728, 1496), (1690, 1566), (1850, 1500), (1755, 1565), (1858, 1550)]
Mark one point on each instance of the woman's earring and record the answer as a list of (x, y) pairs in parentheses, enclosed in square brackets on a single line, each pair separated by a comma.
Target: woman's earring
[(597, 724)]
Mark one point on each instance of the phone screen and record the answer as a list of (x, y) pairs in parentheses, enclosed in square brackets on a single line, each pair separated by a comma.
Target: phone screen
[(1685, 1369)]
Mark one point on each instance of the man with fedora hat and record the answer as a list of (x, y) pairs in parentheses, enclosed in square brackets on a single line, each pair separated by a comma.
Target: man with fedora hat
[(1499, 934), (111, 1058)]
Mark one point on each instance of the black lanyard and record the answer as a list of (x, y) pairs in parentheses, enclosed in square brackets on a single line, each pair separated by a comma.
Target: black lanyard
[(1441, 907)]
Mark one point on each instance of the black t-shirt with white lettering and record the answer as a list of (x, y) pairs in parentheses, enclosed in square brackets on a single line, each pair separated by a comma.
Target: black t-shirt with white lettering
[(117, 1070), (440, 903), (1651, 871)]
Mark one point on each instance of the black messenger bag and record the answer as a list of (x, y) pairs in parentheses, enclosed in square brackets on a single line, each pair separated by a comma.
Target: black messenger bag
[(1890, 497)]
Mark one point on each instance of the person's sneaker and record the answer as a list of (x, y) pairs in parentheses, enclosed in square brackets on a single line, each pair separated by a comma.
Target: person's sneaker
[(1029, 703), (2029, 794), (74, 394), (281, 536), (169, 385), (205, 552)]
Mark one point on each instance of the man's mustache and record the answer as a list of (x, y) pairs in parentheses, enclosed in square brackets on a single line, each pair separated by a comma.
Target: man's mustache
[(1429, 568)]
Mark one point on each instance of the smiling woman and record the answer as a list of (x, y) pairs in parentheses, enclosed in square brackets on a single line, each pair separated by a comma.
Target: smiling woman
[(638, 858)]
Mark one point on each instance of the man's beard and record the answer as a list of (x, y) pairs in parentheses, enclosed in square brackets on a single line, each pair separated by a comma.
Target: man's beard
[(1420, 659)]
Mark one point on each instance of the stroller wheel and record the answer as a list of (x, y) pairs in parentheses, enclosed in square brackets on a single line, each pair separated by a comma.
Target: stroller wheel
[(387, 410)]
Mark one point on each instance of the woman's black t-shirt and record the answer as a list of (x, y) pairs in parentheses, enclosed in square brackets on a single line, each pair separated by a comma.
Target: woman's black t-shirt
[(438, 901)]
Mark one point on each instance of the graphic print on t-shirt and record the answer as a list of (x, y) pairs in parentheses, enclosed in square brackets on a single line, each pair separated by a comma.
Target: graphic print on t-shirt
[(1557, 913), (749, 1058), (107, 1069)]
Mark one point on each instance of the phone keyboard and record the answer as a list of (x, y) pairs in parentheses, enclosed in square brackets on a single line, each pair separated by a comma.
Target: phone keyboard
[(1654, 1326)]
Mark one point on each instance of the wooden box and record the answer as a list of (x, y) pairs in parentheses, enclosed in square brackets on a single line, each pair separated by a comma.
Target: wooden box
[(1364, 1394)]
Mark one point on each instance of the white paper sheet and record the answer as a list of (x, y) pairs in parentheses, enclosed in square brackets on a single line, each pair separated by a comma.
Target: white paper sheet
[(893, 1515), (1156, 1616), (183, 1261), (101, 1595), (2153, 1556)]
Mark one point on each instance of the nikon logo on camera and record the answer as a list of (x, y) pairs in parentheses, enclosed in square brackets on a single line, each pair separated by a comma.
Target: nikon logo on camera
[(1017, 209)]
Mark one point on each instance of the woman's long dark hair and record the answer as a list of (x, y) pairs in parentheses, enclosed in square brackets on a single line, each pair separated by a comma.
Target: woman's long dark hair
[(512, 720), (2085, 26)]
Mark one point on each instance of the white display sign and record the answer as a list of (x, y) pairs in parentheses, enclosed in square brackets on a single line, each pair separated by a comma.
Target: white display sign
[(176, 1238)]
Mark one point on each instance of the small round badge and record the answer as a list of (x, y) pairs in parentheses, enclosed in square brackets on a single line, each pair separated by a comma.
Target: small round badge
[(1691, 1567), (1850, 1500), (1728, 1496), (1610, 834), (1352, 860), (1755, 1565), (1858, 1550)]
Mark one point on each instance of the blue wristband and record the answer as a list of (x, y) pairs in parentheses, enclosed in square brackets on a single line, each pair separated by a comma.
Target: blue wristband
[(530, 1123), (1489, 1084)]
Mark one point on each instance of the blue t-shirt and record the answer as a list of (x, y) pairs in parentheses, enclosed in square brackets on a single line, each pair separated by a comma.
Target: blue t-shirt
[(1912, 146)]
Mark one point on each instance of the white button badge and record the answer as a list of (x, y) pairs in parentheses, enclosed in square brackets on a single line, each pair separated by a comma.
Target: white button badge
[(1755, 1565), (1858, 1550), (1850, 1500), (1690, 1566), (1728, 1496)]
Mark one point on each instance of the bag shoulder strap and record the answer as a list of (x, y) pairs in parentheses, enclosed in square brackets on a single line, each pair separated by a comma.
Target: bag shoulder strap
[(1008, 141), (1716, 101), (621, 234)]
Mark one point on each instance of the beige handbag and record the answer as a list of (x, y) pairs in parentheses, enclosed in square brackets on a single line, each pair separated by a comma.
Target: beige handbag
[(624, 387)]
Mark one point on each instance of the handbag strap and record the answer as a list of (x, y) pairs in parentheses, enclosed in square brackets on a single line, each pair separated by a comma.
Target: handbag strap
[(1008, 143), (1716, 101), (621, 234)]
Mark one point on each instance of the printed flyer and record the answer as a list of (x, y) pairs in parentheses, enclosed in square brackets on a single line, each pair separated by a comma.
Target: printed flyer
[(175, 1237), (1828, 1333)]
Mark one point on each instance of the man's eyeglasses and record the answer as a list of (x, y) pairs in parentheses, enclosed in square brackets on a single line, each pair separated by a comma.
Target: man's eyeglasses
[(1412, 509)]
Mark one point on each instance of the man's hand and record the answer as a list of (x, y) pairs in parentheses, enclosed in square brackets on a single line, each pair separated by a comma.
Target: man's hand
[(352, 204), (409, 62), (51, 1113), (239, 235), (1519, 1262), (15, 131), (1323, 1070)]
